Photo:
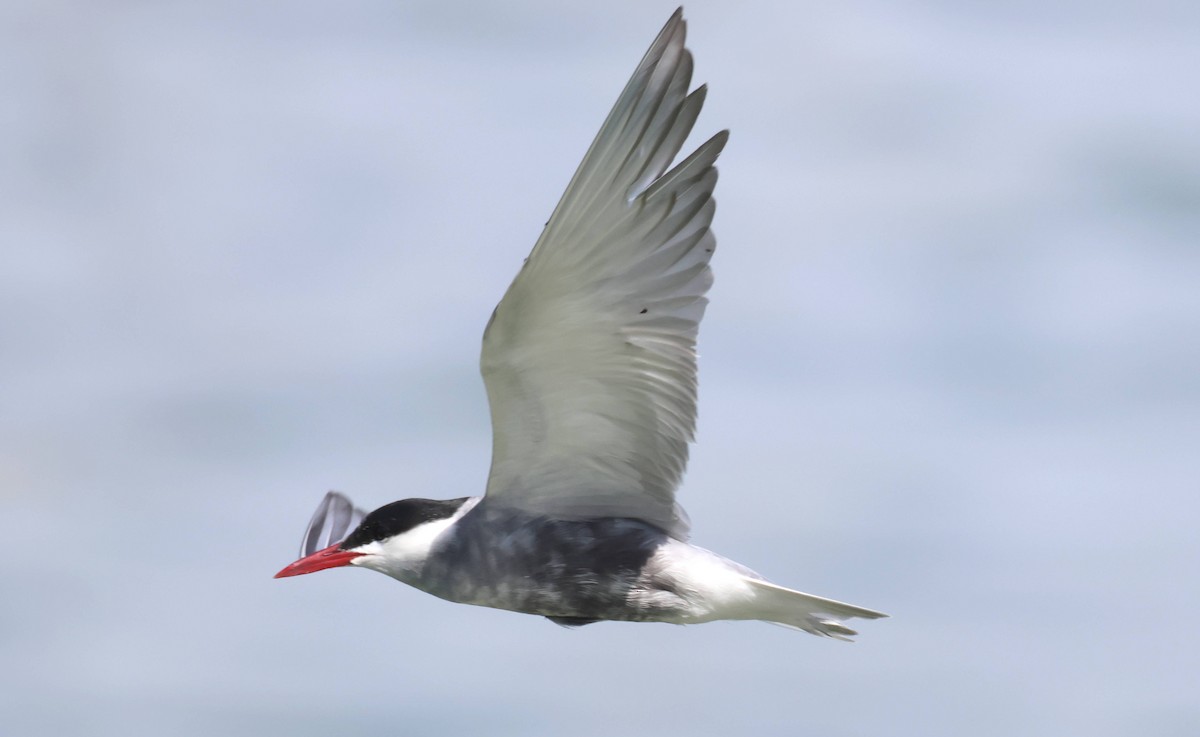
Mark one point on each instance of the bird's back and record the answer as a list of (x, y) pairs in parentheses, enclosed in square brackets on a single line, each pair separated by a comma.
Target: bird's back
[(576, 571)]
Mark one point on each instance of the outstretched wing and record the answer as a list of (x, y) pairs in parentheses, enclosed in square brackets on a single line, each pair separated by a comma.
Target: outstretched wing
[(589, 360)]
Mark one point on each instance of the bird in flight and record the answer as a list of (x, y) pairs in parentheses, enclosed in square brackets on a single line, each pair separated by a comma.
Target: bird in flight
[(590, 367)]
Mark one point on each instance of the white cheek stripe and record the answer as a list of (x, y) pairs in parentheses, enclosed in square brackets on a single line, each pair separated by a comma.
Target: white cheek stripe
[(405, 553)]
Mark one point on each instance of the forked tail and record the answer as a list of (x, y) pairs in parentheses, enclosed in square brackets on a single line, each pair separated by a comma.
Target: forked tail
[(814, 614)]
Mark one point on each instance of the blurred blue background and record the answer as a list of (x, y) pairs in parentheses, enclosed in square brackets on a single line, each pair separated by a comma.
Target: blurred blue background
[(951, 368)]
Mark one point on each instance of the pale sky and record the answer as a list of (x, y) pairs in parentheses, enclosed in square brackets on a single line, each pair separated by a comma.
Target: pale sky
[(950, 371)]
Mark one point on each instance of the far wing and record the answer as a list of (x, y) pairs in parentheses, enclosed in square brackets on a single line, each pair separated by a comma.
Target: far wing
[(335, 518), (589, 360)]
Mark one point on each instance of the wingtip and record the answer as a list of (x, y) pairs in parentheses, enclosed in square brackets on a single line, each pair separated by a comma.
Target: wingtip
[(675, 26)]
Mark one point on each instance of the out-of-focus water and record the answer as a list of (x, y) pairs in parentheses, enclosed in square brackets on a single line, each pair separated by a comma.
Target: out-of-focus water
[(951, 368)]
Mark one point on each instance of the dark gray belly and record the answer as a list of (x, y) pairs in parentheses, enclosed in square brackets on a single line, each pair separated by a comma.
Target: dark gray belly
[(571, 570)]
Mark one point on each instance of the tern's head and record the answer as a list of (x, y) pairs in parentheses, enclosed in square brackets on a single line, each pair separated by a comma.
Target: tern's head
[(394, 539)]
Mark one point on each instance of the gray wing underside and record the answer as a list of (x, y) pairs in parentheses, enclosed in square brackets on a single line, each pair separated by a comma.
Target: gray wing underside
[(589, 360), (335, 518)]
